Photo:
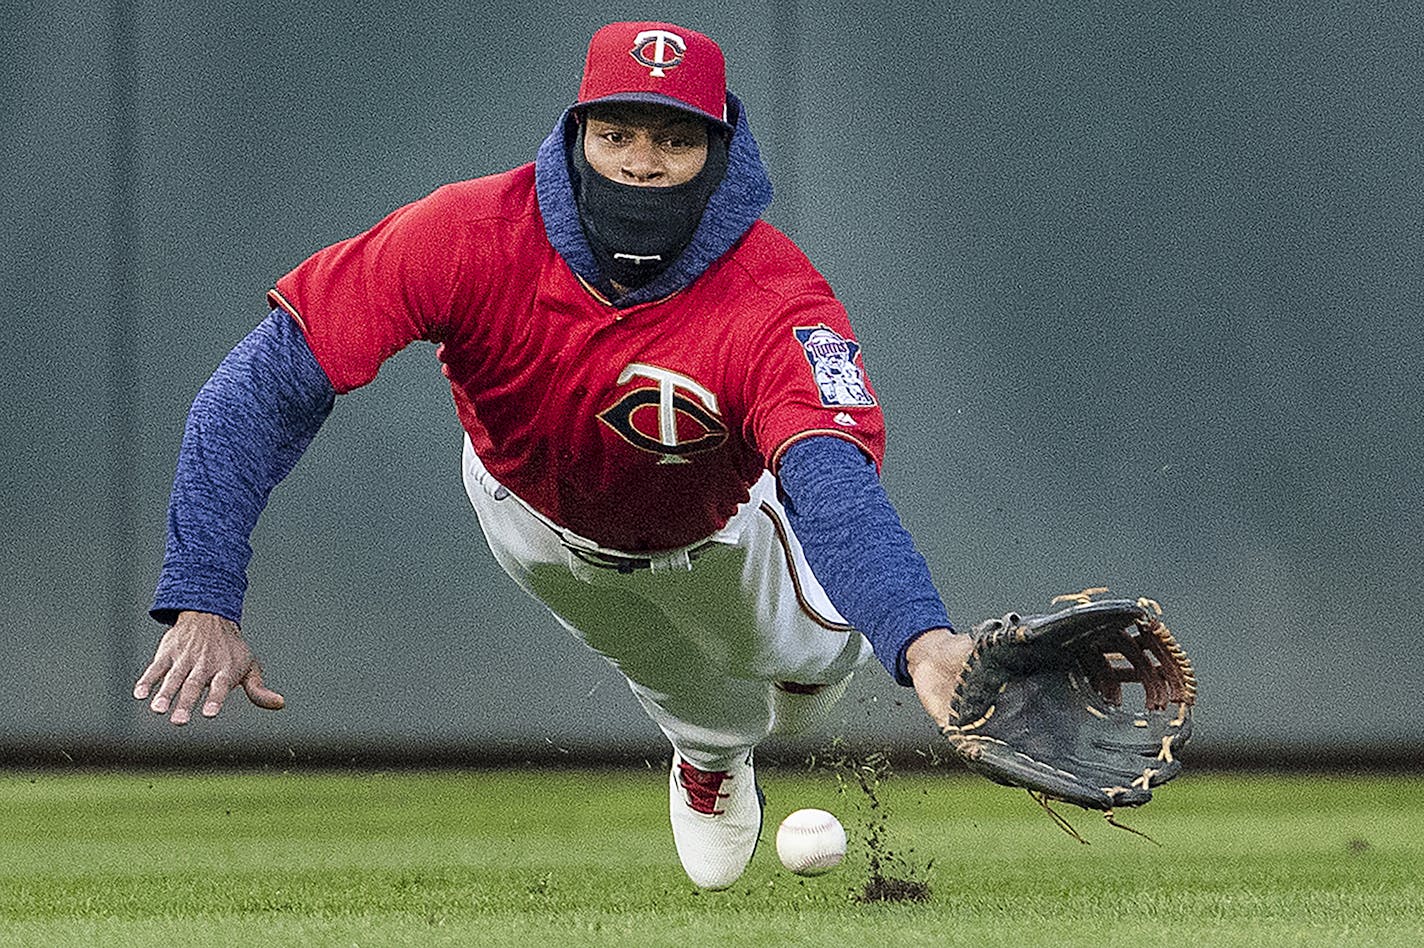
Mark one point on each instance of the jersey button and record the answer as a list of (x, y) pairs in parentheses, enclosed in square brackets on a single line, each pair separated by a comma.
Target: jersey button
[(580, 391)]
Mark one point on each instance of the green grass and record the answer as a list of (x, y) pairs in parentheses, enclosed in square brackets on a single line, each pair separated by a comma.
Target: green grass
[(585, 858)]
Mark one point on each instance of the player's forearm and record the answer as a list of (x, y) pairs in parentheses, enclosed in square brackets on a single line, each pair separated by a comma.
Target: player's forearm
[(859, 550), (248, 426)]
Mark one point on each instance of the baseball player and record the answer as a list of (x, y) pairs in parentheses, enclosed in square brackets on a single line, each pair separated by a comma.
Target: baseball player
[(671, 441)]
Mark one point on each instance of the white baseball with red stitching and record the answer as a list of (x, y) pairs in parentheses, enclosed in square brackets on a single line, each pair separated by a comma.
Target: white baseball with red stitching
[(810, 842)]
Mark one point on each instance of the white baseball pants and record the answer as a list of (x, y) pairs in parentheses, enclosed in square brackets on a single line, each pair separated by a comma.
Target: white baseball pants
[(703, 634)]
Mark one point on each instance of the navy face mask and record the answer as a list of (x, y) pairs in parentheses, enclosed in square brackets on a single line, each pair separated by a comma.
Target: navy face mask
[(637, 232)]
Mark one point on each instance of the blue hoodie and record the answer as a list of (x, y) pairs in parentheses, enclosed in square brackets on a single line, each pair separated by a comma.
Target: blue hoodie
[(253, 419)]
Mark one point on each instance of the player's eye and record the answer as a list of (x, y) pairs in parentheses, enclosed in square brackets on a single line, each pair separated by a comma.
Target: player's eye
[(682, 141)]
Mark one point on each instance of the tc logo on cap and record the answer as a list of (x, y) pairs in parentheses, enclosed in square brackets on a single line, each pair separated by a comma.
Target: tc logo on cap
[(655, 62), (659, 50)]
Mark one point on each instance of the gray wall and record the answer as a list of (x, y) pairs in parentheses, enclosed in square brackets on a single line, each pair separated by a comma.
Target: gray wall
[(1139, 291)]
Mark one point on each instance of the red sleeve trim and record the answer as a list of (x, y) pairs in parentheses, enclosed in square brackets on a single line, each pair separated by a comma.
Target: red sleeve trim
[(277, 301), (780, 452)]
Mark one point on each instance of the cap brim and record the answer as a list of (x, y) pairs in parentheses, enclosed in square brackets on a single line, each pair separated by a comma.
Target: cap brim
[(654, 98)]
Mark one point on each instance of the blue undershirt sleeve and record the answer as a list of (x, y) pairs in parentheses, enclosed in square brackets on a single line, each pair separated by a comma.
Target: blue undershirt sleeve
[(248, 426), (857, 547)]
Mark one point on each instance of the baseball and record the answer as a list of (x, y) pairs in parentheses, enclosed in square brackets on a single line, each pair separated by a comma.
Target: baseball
[(810, 842)]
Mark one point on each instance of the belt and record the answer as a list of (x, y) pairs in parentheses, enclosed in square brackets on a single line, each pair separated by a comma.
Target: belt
[(675, 560), (679, 559)]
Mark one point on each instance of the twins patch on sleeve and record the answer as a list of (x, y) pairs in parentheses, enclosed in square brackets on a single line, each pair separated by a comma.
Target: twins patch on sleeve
[(832, 359)]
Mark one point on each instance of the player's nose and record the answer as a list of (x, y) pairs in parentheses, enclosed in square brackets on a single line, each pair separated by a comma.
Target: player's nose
[(641, 163)]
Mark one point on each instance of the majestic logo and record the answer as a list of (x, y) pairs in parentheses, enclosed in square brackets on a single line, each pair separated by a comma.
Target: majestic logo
[(659, 50), (832, 359), (685, 421)]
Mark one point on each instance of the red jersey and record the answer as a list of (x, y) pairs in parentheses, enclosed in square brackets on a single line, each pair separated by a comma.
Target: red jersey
[(640, 427)]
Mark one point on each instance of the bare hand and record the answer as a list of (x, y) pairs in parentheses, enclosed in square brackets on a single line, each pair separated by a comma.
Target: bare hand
[(203, 651), (936, 661)]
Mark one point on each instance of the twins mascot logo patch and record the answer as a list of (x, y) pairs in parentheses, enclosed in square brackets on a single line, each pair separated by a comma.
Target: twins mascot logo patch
[(832, 359)]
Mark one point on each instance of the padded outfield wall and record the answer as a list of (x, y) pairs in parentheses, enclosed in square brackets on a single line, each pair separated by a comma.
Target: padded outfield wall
[(1139, 290)]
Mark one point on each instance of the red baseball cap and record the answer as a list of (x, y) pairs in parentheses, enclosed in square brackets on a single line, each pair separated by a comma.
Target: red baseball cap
[(658, 63)]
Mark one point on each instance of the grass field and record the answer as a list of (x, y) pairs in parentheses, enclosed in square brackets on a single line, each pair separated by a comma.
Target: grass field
[(557, 858)]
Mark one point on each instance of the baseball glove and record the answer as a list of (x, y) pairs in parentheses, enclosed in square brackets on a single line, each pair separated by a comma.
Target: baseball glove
[(1041, 703)]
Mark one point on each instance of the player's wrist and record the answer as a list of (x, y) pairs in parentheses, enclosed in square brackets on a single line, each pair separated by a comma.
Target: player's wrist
[(936, 646), (925, 642)]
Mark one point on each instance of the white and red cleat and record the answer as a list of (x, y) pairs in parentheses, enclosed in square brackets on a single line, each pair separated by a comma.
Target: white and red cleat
[(716, 820)]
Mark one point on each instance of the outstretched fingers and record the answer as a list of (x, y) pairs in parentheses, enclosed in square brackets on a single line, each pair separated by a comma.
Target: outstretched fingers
[(152, 675), (202, 652), (218, 690), (178, 672), (189, 692), (258, 693)]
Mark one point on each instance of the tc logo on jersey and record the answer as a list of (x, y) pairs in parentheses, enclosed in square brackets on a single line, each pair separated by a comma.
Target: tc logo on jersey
[(659, 50), (832, 359), (685, 420)]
